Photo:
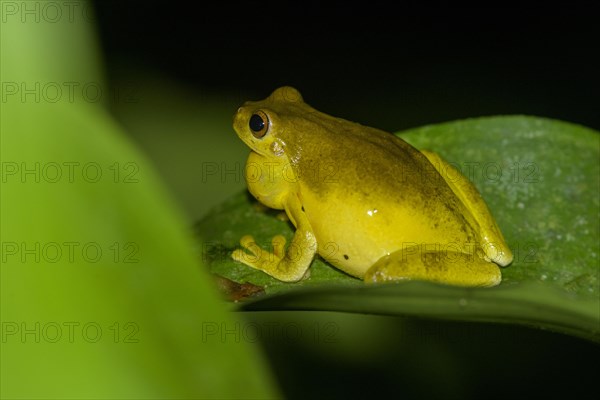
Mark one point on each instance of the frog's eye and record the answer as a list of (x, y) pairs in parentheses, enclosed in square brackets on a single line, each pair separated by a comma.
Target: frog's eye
[(259, 124)]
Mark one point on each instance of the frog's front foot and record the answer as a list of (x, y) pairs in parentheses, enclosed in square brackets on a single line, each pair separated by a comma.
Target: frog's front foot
[(278, 264), (253, 256)]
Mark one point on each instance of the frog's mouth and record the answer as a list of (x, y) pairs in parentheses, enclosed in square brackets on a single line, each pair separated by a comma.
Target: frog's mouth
[(254, 145)]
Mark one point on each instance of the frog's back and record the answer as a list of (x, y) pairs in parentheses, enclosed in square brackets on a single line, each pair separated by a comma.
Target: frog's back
[(373, 163)]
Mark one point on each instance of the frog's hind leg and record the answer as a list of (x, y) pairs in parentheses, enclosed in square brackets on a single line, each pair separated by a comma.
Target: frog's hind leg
[(493, 243), (449, 267)]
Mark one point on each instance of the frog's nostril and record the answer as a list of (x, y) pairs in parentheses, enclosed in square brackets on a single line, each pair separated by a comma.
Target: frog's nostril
[(239, 110)]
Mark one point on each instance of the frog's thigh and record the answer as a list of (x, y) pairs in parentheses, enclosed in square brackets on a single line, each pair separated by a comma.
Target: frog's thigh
[(493, 243), (448, 267)]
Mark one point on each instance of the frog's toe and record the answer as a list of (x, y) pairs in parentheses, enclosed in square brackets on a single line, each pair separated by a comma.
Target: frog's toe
[(278, 243), (247, 242), (240, 255), (250, 252)]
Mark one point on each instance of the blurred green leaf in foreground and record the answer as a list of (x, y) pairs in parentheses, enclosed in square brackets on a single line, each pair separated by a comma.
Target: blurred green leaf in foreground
[(102, 295)]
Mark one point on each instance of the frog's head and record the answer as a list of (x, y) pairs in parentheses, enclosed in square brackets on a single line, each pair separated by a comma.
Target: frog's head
[(262, 124)]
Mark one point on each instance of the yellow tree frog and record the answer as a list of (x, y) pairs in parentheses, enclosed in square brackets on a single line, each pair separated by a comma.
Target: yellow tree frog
[(364, 200)]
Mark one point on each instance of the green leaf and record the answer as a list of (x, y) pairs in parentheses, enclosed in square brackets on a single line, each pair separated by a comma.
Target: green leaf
[(540, 179), (102, 295)]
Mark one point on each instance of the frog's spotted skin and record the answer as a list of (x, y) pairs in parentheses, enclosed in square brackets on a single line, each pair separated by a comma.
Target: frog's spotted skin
[(366, 201)]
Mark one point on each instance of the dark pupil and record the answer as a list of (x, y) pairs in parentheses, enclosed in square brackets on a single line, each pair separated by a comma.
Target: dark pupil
[(256, 123)]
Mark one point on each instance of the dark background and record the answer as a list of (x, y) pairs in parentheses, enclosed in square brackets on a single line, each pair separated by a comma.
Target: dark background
[(391, 69), (385, 67)]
